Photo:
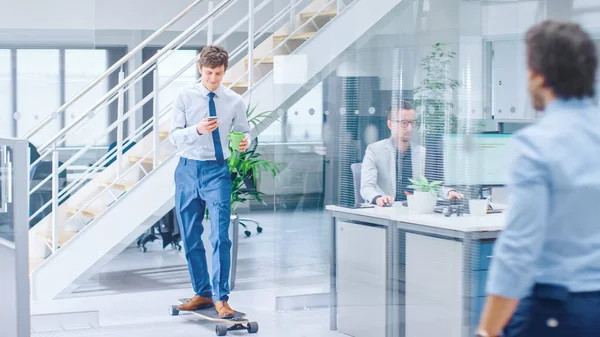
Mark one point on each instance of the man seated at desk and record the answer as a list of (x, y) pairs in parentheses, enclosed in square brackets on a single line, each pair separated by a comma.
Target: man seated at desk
[(388, 164)]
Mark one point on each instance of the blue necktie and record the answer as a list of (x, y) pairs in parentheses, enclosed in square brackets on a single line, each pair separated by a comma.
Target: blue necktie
[(215, 134)]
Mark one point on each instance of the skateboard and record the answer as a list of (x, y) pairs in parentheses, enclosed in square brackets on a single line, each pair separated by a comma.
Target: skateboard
[(237, 322)]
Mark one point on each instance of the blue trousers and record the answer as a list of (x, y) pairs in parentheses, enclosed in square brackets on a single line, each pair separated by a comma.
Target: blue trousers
[(199, 184), (548, 313)]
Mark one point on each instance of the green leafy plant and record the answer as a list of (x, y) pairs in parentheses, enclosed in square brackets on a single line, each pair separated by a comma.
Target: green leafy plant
[(433, 98), (423, 185), (245, 168)]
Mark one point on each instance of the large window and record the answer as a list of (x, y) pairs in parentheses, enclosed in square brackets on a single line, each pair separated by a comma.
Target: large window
[(35, 82), (81, 68), (6, 120), (169, 67), (38, 89)]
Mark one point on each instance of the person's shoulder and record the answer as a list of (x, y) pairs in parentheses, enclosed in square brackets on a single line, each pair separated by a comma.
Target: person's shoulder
[(538, 140), (231, 95), (381, 144), (187, 92)]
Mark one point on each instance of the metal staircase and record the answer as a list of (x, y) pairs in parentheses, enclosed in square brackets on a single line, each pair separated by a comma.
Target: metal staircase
[(94, 217)]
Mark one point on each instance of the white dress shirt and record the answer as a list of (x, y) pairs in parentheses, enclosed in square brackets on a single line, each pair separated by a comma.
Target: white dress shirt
[(191, 106)]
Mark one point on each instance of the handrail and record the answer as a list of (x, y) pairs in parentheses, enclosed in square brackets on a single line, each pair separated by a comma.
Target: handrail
[(133, 75), (114, 67), (146, 68), (282, 43)]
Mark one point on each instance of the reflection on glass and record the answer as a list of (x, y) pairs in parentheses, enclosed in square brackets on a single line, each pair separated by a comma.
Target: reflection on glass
[(6, 206), (5, 94), (38, 92), (81, 68), (168, 67)]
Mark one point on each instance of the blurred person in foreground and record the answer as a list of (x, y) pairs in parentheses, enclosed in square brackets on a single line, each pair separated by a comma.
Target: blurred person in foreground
[(544, 278)]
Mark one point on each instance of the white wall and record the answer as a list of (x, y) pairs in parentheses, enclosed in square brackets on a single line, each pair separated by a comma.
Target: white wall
[(108, 22)]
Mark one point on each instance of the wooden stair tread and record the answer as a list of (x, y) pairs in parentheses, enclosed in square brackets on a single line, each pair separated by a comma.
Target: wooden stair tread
[(298, 36), (236, 85), (90, 211), (326, 13), (147, 160), (267, 60), (63, 237), (122, 185)]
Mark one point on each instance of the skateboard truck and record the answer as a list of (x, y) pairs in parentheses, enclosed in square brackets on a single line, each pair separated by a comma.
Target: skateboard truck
[(222, 329)]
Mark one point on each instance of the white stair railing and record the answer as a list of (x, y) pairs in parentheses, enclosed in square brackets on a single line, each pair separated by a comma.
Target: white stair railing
[(152, 125)]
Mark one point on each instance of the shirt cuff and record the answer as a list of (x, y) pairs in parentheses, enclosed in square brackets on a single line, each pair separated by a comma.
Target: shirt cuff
[(506, 281), (192, 133)]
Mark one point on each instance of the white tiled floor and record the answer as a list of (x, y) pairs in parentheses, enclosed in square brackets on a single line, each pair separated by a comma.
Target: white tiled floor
[(132, 294)]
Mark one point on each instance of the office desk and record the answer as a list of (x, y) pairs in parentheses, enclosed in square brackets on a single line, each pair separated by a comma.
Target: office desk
[(397, 274)]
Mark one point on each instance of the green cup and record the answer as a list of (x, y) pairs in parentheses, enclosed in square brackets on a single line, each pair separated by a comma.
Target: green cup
[(236, 138)]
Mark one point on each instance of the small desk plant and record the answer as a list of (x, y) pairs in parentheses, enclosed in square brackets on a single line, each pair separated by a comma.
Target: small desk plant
[(424, 198)]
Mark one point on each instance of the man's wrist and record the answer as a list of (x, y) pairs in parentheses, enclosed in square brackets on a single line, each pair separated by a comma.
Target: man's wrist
[(374, 201)]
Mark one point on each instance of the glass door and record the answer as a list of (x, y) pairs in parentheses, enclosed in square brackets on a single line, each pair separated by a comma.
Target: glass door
[(14, 277)]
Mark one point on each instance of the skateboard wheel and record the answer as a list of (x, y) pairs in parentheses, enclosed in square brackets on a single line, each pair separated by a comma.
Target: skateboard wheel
[(259, 229), (173, 310), (248, 233), (252, 327), (221, 330)]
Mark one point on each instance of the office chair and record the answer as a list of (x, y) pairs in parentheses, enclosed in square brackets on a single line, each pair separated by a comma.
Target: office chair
[(356, 176)]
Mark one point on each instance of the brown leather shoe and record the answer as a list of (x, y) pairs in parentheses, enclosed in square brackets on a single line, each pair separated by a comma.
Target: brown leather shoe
[(197, 302), (224, 310)]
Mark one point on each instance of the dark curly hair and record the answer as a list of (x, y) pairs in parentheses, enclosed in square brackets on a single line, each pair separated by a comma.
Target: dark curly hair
[(402, 105), (213, 56), (565, 55)]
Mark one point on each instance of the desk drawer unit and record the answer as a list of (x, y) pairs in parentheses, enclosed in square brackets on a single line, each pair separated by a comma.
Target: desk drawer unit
[(478, 272), (361, 279)]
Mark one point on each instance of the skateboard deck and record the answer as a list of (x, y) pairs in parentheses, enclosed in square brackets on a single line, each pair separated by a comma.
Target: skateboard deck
[(237, 322), (210, 314)]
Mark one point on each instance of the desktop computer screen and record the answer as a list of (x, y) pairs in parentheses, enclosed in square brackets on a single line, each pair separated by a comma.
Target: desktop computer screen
[(476, 159)]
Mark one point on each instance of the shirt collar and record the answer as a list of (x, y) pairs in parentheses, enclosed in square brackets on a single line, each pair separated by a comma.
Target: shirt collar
[(568, 104), (218, 92)]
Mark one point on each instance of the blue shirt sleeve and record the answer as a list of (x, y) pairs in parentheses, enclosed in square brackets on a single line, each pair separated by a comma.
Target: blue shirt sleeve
[(519, 245)]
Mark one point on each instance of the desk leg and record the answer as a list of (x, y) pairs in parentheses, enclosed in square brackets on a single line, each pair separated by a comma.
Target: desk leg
[(333, 276), (391, 292)]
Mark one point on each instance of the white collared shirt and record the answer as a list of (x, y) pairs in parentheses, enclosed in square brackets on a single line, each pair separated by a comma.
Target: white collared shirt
[(191, 106)]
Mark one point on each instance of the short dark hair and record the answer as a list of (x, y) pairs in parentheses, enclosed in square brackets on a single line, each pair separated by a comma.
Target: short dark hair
[(402, 105), (565, 55), (213, 56)]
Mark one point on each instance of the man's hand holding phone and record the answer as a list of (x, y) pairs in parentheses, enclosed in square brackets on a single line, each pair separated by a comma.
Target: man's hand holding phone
[(207, 125)]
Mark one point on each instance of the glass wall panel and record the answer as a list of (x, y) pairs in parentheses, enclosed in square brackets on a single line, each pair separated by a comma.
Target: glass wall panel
[(81, 68), (38, 91), (6, 119)]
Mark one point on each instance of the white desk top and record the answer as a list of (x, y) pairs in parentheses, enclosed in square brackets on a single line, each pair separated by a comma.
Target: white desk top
[(466, 223)]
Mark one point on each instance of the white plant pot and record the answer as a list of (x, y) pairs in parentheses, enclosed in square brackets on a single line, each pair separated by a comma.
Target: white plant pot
[(422, 202)]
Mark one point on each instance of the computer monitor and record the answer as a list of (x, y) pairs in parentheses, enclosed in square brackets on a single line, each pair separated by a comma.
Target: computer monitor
[(476, 159)]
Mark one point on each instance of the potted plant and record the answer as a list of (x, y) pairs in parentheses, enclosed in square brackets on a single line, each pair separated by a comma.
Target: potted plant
[(245, 169), (424, 198), (434, 97)]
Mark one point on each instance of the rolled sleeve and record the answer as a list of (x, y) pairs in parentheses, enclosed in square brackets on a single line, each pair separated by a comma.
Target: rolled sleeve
[(518, 247), (180, 133)]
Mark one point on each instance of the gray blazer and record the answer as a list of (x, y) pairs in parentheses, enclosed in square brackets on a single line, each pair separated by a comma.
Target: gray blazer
[(378, 174)]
